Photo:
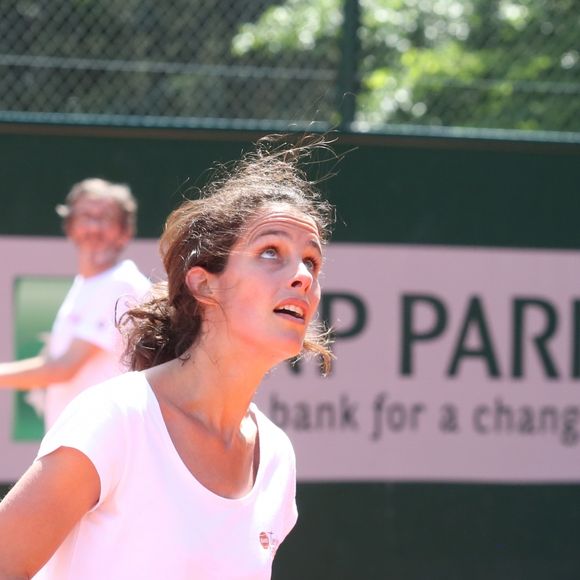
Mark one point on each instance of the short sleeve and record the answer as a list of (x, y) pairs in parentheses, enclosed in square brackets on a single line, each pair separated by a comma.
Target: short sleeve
[(94, 425)]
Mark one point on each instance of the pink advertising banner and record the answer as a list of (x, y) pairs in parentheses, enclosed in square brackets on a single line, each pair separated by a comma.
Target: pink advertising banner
[(452, 364), (38, 257)]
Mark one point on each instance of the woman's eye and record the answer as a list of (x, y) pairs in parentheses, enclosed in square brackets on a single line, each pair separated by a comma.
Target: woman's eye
[(311, 264), (269, 253)]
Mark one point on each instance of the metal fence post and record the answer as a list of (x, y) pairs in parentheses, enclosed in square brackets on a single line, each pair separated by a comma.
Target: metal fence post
[(348, 82)]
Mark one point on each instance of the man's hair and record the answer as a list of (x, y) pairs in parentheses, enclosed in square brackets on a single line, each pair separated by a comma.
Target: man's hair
[(97, 188)]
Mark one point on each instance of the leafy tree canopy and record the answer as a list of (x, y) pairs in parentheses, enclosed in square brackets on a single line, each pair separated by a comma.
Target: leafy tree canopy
[(512, 64)]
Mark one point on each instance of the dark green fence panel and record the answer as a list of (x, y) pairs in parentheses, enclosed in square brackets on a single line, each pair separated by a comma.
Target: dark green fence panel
[(388, 189)]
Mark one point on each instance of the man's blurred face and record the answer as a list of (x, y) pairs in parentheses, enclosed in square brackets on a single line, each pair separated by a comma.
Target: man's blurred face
[(96, 228)]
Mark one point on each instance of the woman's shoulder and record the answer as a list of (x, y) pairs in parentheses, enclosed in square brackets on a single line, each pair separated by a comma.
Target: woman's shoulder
[(121, 394), (105, 412)]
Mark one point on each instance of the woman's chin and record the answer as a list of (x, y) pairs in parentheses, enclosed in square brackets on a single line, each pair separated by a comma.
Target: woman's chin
[(286, 352), (290, 353)]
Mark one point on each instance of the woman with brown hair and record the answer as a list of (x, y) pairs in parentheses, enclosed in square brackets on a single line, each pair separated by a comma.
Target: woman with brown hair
[(170, 471)]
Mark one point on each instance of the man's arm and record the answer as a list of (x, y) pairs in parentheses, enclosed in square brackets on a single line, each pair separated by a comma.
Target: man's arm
[(42, 508), (42, 370)]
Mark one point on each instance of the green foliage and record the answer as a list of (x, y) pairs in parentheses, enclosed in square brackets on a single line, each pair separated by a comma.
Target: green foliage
[(511, 64), (297, 25), (471, 63)]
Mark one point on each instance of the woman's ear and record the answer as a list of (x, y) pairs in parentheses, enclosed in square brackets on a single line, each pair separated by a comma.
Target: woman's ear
[(198, 281)]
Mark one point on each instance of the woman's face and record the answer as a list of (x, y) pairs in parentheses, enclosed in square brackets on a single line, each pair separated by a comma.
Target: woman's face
[(269, 290)]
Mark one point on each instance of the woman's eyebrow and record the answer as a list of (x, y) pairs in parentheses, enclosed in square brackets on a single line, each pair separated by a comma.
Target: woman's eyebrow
[(286, 235)]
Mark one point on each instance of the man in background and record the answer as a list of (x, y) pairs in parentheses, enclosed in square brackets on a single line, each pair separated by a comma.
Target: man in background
[(85, 345)]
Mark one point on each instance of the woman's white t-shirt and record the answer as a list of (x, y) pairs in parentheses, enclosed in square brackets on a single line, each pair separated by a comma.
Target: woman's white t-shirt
[(154, 520)]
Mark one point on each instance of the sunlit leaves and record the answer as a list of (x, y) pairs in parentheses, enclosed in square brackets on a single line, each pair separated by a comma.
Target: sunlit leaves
[(491, 63)]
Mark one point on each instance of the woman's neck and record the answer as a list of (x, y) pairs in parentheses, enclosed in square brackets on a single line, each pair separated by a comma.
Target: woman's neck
[(212, 387)]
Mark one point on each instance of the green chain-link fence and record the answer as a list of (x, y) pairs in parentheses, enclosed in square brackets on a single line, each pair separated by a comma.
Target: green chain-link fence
[(365, 65)]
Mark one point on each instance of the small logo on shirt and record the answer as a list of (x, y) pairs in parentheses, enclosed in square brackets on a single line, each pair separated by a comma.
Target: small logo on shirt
[(264, 540), (269, 542)]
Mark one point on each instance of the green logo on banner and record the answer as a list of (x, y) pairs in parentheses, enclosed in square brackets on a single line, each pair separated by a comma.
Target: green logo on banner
[(36, 300)]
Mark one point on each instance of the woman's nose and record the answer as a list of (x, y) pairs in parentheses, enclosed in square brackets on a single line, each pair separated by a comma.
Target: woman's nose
[(302, 278)]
